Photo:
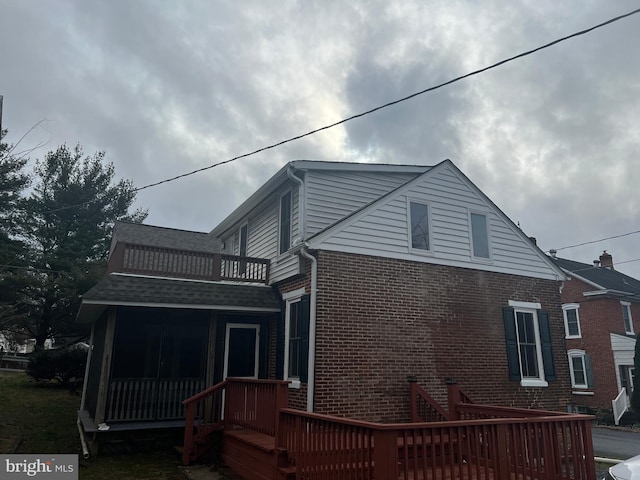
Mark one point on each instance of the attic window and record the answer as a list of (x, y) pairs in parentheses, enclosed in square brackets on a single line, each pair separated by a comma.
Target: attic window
[(419, 233), (480, 235)]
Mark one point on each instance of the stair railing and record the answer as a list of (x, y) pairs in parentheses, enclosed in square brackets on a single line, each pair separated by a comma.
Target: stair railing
[(620, 405), (423, 407)]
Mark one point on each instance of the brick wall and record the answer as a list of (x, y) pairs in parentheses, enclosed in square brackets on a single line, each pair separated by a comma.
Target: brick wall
[(380, 320), (598, 318)]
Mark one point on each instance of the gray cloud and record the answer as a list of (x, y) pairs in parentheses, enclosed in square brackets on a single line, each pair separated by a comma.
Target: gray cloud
[(168, 88)]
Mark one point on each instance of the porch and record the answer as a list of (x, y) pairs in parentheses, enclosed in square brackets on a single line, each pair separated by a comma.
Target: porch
[(263, 439)]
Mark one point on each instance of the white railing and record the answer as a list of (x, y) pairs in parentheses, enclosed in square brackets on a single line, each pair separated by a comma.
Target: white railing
[(620, 405)]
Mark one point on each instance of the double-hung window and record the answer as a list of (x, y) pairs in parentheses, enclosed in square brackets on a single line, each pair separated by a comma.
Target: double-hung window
[(580, 367), (479, 236), (284, 237), (571, 320), (626, 316), (529, 351), (419, 226), (295, 327)]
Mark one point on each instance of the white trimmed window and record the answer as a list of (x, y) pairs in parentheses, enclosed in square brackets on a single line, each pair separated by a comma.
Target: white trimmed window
[(580, 367), (571, 320), (529, 350), (284, 222), (626, 316), (296, 341), (419, 236), (479, 235)]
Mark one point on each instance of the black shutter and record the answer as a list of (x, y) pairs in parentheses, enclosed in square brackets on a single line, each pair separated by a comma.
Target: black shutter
[(588, 370), (305, 310), (280, 342), (547, 350), (512, 343)]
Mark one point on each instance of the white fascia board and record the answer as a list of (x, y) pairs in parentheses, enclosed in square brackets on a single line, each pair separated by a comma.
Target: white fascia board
[(614, 293), (195, 306), (252, 202), (630, 341), (307, 165)]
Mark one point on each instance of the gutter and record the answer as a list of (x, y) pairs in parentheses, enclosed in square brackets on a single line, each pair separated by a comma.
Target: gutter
[(311, 375), (300, 240)]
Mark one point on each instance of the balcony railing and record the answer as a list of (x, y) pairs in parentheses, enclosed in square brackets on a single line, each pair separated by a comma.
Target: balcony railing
[(175, 263)]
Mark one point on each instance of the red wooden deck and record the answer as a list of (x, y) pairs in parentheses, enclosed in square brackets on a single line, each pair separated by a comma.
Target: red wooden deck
[(264, 440)]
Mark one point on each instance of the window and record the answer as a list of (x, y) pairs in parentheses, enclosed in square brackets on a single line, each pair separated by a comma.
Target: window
[(285, 222), (626, 377), (626, 315), (295, 351), (580, 367), (419, 233), (529, 351), (571, 320), (242, 240), (480, 235)]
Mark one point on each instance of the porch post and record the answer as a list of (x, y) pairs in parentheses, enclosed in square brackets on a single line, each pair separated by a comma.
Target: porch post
[(105, 373)]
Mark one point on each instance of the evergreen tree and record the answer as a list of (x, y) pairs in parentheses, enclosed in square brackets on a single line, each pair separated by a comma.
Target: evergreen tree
[(70, 217)]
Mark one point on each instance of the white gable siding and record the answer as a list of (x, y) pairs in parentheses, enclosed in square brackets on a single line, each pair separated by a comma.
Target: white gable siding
[(383, 231), (334, 195)]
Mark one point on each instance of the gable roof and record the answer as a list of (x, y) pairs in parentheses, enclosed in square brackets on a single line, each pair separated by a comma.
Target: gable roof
[(164, 237), (133, 290), (315, 240), (282, 176), (601, 278)]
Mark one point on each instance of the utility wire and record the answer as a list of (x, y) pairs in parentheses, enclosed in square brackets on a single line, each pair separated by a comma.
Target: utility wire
[(395, 102), (594, 241), (380, 107)]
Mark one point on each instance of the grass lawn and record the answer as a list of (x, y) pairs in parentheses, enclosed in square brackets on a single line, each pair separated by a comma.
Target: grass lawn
[(43, 420)]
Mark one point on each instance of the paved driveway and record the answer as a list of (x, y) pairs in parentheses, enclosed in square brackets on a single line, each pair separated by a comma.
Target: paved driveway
[(611, 443)]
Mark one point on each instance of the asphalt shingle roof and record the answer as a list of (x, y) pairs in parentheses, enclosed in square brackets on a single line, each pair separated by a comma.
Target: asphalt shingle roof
[(118, 289), (165, 237), (602, 276)]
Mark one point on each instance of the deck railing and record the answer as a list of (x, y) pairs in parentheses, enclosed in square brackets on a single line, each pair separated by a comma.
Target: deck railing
[(551, 447), (423, 407), (170, 262), (235, 402)]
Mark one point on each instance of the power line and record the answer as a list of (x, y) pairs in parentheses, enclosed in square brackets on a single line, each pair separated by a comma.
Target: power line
[(595, 241), (395, 102), (380, 107)]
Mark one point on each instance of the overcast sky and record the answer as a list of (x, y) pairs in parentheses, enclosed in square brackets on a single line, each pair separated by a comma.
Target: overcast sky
[(167, 87)]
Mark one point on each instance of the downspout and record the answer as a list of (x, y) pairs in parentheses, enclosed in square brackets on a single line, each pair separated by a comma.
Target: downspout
[(312, 328), (314, 282)]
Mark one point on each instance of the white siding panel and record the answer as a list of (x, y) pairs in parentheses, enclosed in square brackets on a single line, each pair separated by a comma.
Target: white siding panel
[(332, 196), (384, 231)]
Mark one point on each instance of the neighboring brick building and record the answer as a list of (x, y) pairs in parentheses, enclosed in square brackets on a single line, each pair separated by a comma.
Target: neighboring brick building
[(599, 307)]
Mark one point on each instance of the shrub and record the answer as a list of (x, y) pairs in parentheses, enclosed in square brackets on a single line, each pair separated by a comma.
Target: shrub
[(64, 365)]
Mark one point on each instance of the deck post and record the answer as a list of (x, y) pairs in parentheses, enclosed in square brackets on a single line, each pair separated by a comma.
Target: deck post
[(385, 454), (453, 397), (281, 401), (413, 402), (502, 460), (188, 434)]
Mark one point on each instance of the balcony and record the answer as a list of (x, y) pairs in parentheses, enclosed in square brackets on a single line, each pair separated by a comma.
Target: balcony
[(174, 263)]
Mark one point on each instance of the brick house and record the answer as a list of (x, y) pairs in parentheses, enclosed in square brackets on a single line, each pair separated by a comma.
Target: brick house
[(599, 306), (370, 274)]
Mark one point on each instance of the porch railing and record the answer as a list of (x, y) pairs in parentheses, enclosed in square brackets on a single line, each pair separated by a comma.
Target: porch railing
[(248, 403), (551, 447), (137, 399), (170, 262), (620, 405)]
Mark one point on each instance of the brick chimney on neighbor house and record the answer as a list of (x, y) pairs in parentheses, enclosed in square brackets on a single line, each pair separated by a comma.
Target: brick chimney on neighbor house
[(606, 260)]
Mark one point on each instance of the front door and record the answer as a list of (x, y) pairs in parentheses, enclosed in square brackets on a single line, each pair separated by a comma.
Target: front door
[(242, 347)]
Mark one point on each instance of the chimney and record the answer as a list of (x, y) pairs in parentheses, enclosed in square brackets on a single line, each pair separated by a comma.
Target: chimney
[(606, 260), (553, 252), (596, 263)]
